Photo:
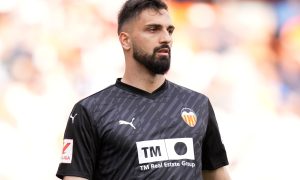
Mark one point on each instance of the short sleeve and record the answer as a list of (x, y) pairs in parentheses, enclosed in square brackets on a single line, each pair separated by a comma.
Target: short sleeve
[(213, 151), (79, 149)]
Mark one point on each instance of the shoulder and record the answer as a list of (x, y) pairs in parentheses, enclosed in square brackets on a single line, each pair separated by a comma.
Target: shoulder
[(182, 90), (100, 97)]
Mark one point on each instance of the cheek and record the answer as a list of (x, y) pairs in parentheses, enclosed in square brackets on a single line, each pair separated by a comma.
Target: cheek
[(145, 43), (146, 47)]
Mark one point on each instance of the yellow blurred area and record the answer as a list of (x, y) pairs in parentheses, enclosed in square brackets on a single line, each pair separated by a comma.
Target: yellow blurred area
[(244, 55)]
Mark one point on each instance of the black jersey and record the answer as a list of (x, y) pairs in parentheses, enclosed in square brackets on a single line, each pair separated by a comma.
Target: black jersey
[(123, 133)]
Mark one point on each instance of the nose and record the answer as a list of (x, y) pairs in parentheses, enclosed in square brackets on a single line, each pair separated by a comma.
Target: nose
[(165, 38)]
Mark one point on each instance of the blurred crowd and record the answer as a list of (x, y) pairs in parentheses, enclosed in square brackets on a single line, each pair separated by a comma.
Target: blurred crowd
[(244, 55)]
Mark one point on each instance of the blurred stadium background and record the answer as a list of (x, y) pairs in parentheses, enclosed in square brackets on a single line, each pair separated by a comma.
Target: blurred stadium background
[(244, 55)]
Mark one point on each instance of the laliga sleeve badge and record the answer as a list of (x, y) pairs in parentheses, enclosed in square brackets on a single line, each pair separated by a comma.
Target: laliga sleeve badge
[(67, 151), (189, 116)]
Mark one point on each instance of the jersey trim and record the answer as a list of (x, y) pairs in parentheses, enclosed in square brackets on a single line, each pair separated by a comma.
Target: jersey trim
[(62, 174)]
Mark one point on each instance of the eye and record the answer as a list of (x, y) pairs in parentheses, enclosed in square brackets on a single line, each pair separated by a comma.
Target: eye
[(171, 30), (152, 29)]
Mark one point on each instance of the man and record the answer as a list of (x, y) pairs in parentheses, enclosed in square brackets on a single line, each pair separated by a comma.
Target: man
[(143, 126)]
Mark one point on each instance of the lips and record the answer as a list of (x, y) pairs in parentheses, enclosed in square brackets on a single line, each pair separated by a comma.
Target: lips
[(163, 50)]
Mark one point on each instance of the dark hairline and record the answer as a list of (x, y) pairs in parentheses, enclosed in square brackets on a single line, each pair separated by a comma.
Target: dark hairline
[(122, 20)]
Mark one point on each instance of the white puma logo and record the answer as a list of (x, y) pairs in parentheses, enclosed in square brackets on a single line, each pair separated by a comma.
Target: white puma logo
[(128, 123), (73, 117)]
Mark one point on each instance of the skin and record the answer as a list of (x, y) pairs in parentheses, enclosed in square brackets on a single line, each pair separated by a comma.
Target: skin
[(151, 29), (73, 178), (218, 174)]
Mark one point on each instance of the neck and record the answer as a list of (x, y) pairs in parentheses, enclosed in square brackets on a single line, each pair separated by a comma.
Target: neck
[(137, 75)]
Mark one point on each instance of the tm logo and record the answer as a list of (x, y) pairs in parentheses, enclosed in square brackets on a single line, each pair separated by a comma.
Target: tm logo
[(151, 151), (165, 149)]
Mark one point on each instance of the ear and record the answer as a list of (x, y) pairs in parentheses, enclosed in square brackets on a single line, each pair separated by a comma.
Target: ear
[(125, 40)]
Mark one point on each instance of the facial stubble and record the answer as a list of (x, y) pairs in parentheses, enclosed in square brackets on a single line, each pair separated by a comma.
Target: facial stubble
[(154, 63)]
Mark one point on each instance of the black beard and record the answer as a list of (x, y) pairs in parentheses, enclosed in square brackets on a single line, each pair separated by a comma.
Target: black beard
[(159, 65)]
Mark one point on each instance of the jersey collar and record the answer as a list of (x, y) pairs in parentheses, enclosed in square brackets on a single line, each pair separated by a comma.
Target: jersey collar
[(141, 92)]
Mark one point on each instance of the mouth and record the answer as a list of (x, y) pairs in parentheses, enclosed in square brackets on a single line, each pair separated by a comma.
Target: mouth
[(163, 52)]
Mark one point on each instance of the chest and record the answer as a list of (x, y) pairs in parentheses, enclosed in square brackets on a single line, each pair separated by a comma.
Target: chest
[(135, 120)]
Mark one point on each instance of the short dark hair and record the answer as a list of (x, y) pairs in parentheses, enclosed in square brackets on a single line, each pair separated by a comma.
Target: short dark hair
[(133, 8)]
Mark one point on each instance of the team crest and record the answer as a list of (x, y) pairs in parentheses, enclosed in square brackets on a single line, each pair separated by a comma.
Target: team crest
[(189, 116)]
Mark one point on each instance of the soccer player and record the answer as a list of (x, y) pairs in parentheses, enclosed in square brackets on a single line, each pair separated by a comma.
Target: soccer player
[(143, 126)]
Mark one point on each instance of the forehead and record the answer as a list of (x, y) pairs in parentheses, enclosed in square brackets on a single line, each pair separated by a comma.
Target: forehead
[(151, 16)]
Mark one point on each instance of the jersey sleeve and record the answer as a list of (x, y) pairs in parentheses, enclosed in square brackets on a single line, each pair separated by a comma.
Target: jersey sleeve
[(213, 152), (79, 149)]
